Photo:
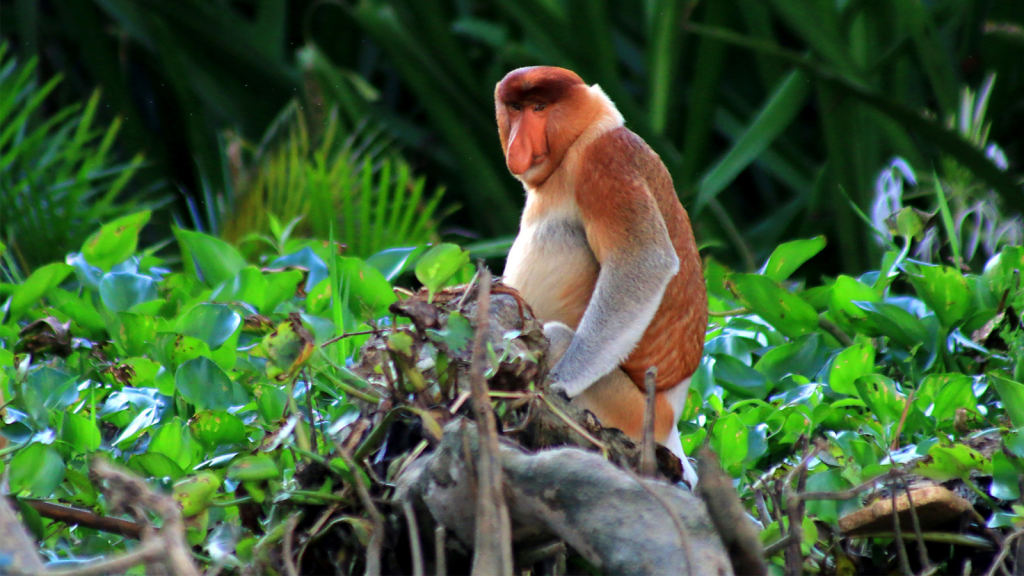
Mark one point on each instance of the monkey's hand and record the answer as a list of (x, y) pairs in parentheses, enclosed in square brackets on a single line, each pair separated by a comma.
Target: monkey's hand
[(628, 293)]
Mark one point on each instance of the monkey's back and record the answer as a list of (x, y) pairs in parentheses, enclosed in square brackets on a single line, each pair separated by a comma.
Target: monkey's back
[(674, 340)]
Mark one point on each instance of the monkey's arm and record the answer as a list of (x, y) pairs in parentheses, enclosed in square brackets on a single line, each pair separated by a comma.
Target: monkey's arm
[(628, 236)]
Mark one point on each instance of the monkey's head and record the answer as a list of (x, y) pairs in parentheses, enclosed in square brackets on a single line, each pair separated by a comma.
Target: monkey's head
[(541, 111)]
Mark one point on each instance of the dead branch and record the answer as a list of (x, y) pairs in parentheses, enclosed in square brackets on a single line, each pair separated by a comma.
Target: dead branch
[(77, 516), (1004, 551), (647, 463), (493, 551), (738, 533)]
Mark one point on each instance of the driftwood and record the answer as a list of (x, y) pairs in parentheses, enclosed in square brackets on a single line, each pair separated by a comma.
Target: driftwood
[(619, 522)]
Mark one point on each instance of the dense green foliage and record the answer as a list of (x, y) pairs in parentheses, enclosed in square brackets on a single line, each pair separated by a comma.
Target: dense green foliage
[(215, 378), (763, 111)]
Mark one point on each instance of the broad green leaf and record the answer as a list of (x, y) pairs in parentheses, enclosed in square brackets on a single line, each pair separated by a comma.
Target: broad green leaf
[(946, 292), (115, 242), (729, 441), (1011, 394), (955, 392), (156, 465), (738, 378), (270, 402), (176, 349), (35, 287), (249, 286), (1005, 478), (37, 470), (195, 492), (999, 270), (850, 364), (80, 432), (173, 441), (211, 323), (204, 384), (439, 264), (210, 259), (57, 389), (787, 257), (785, 311), (805, 357), (881, 397), (946, 463), (281, 286), (845, 292), (217, 428), (895, 322), (253, 468), (393, 261), (122, 290)]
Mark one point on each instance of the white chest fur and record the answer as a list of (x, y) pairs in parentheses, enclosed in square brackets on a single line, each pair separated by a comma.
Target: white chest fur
[(552, 266)]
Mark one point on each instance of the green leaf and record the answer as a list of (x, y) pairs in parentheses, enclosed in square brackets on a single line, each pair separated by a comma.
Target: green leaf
[(81, 433), (1000, 270), (204, 384), (173, 441), (123, 290), (249, 286), (881, 397), (287, 348), (946, 292), (270, 402), (195, 492), (37, 470), (791, 255), (253, 468), (896, 323), (1005, 478), (729, 441), (210, 259), (785, 311), (393, 261), (849, 365), (115, 242), (156, 465), (778, 112), (955, 392), (217, 428), (827, 481), (805, 357), (369, 292), (738, 378), (1011, 394), (946, 463), (439, 264), (456, 334), (845, 292), (211, 323), (36, 287), (135, 332)]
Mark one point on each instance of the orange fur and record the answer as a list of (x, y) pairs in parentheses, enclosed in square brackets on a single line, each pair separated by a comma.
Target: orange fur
[(593, 189)]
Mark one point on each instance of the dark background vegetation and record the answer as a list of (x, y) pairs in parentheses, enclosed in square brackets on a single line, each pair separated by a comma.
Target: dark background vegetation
[(756, 159)]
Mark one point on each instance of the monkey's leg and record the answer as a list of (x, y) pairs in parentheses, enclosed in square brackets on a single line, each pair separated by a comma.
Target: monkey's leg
[(618, 403)]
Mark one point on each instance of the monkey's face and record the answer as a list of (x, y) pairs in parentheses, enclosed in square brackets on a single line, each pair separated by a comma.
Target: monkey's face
[(537, 109)]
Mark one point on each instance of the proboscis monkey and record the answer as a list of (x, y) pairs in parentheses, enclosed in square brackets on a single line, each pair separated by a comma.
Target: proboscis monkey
[(605, 253)]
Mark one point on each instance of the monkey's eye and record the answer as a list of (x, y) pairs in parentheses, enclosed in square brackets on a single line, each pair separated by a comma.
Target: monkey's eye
[(539, 107), (516, 107)]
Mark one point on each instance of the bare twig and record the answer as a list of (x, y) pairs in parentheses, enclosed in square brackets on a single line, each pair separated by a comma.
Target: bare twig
[(922, 551), (903, 419), (440, 555), (1004, 551), (373, 550), (348, 335), (901, 547), (795, 510), (762, 509), (777, 546), (72, 516), (540, 553), (414, 538), (493, 535), (166, 549), (289, 535), (648, 464), (574, 425)]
